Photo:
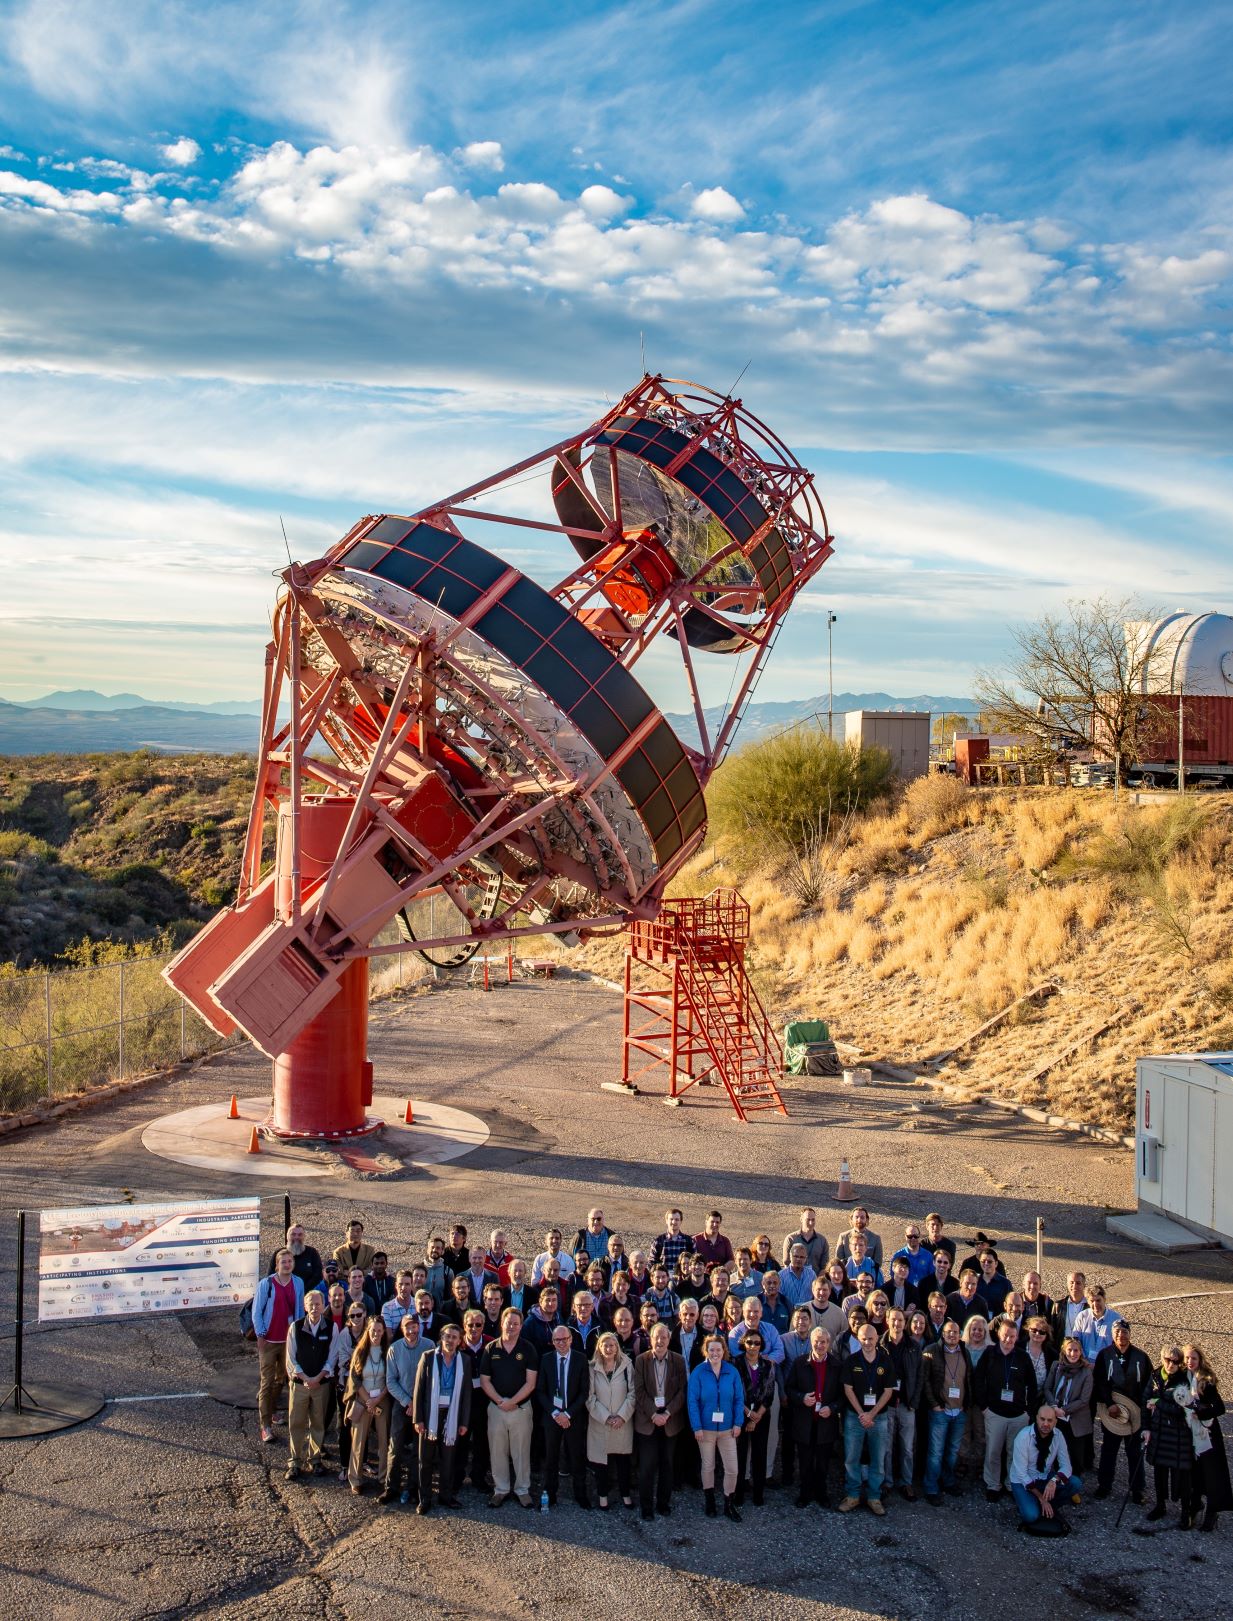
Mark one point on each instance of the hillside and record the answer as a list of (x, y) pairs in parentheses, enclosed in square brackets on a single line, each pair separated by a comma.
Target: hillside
[(940, 912), (120, 847)]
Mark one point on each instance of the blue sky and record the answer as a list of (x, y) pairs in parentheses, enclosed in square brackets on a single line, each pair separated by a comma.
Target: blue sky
[(315, 260)]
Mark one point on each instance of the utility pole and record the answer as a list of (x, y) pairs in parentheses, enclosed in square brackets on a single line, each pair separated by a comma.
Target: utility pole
[(830, 676), (1181, 739)]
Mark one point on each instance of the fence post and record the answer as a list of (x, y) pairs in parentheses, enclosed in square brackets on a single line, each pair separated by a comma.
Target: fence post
[(183, 1042), (47, 998), (121, 1021), (400, 956)]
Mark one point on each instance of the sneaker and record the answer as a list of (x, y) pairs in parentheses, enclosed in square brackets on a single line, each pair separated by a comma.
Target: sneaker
[(497, 1499), (267, 1434), (875, 1507), (848, 1504)]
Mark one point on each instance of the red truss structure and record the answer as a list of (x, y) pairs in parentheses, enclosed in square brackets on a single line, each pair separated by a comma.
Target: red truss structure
[(494, 767), (690, 1005)]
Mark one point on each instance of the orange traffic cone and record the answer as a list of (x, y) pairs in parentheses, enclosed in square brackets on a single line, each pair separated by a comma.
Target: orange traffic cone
[(408, 1118), (846, 1190), (233, 1113), (254, 1142)]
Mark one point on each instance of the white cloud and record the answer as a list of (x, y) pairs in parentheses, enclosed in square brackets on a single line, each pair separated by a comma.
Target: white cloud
[(483, 155), (602, 203), (718, 206), (182, 153)]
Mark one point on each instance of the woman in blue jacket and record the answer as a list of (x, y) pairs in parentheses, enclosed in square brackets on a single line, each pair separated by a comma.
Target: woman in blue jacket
[(716, 1415)]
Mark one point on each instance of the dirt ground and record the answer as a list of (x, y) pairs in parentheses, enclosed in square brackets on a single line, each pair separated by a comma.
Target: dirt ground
[(173, 1508)]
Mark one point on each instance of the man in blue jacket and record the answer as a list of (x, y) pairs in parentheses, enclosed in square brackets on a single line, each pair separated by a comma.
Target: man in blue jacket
[(278, 1303)]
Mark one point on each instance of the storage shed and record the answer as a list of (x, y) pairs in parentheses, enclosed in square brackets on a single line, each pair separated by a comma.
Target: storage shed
[(1184, 1140), (905, 733)]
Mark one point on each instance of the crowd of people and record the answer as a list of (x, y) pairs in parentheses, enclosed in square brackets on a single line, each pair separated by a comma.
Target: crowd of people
[(849, 1373)]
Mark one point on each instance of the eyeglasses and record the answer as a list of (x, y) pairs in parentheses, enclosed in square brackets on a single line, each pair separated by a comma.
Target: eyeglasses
[(357, 1314), (1174, 1359), (1038, 1333)]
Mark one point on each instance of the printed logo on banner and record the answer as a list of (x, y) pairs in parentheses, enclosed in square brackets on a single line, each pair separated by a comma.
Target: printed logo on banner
[(104, 1261)]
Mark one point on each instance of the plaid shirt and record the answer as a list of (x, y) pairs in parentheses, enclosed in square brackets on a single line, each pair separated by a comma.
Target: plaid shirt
[(668, 1249)]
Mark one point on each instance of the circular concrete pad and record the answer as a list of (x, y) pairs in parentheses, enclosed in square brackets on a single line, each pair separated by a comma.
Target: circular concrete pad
[(47, 1408), (206, 1138)]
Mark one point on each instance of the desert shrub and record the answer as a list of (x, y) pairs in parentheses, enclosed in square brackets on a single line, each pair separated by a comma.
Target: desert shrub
[(790, 795), (936, 805)]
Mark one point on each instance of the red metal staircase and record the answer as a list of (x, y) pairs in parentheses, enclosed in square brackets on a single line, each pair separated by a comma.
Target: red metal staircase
[(689, 1004)]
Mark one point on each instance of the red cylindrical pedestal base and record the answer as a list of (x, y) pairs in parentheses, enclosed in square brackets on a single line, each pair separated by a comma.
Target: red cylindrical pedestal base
[(322, 1083)]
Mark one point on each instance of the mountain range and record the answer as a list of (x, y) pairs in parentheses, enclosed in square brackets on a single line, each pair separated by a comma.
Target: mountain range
[(87, 722)]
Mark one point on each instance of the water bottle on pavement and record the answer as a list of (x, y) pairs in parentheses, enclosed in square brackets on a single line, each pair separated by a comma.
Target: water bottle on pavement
[(543, 1502)]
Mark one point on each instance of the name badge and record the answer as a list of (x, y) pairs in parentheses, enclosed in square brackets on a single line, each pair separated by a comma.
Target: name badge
[(717, 1418), (871, 1401), (1008, 1396), (558, 1401), (659, 1401), (475, 1384), (954, 1393), (443, 1401)]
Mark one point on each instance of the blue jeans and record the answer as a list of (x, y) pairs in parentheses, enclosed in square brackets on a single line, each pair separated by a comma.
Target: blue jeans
[(1029, 1508), (946, 1427), (854, 1437)]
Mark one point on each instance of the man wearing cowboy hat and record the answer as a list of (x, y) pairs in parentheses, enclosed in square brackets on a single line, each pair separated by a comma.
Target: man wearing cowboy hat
[(1121, 1381)]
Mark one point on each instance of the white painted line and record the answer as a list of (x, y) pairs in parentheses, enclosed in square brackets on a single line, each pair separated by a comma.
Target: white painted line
[(184, 1395)]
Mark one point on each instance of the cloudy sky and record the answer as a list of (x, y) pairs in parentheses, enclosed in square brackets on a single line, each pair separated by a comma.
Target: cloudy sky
[(308, 261)]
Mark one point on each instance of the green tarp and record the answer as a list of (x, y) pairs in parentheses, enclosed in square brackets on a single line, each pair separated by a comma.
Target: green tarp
[(802, 1039)]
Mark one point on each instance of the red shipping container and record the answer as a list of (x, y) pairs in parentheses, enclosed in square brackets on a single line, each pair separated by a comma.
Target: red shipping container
[(1208, 724)]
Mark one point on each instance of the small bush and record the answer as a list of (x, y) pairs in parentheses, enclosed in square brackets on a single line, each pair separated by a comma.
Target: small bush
[(791, 793), (936, 805)]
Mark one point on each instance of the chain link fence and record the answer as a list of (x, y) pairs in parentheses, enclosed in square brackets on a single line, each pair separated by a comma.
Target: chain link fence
[(65, 1030)]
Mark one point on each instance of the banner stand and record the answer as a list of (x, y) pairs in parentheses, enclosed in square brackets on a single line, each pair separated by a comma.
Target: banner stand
[(30, 1407)]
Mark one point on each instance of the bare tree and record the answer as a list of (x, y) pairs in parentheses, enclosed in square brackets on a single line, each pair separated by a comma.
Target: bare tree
[(1078, 682)]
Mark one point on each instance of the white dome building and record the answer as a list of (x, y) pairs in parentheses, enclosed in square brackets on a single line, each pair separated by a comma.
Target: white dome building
[(1187, 653)]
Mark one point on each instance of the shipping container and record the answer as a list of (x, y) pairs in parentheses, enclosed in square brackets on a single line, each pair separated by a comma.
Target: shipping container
[(904, 734), (1207, 741)]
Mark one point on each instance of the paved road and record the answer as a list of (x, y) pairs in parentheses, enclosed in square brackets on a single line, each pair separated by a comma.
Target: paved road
[(173, 1508)]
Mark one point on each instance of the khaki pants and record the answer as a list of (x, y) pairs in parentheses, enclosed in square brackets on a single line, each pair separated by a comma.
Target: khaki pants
[(361, 1422), (509, 1442), (723, 1442), (273, 1378), (306, 1423), (999, 1438)]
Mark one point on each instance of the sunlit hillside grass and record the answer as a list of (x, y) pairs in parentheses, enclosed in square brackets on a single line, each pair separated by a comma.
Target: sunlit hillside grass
[(935, 912)]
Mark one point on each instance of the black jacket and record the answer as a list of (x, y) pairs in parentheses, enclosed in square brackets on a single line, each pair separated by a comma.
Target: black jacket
[(909, 1370), (766, 1390), (577, 1384), (996, 1372), (933, 1371), (1111, 1377), (800, 1381)]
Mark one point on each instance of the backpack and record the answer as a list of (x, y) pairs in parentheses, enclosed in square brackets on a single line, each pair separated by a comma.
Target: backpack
[(247, 1331)]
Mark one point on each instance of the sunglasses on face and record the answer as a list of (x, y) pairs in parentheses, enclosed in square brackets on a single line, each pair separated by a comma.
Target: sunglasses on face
[(1175, 1360)]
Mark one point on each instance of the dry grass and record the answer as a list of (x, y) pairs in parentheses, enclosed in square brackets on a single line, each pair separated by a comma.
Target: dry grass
[(946, 908)]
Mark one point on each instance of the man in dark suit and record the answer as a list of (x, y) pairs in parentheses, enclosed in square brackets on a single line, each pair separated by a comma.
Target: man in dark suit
[(561, 1391), (659, 1407)]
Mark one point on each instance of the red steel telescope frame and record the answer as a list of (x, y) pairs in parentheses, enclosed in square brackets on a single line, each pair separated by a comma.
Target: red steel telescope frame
[(494, 767)]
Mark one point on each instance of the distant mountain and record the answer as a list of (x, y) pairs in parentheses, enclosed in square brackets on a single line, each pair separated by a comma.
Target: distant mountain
[(759, 719), (85, 699), (81, 730)]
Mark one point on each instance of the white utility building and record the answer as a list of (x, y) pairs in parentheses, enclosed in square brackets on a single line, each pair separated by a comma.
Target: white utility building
[(1183, 1146), (905, 733)]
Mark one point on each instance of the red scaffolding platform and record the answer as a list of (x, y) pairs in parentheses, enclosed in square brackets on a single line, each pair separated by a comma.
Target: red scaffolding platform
[(690, 1005)]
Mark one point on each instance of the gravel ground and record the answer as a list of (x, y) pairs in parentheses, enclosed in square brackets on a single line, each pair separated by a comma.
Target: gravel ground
[(161, 1508)]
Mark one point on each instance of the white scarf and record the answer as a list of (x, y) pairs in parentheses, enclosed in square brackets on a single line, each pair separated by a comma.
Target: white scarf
[(434, 1414), (1186, 1396)]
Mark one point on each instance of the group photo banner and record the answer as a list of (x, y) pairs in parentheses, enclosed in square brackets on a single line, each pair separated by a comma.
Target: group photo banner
[(109, 1260)]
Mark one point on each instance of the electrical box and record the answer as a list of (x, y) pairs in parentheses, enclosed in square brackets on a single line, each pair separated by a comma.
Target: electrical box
[(1184, 1139)]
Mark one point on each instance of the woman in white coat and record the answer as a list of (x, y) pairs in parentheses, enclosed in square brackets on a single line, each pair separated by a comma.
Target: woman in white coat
[(610, 1415)]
